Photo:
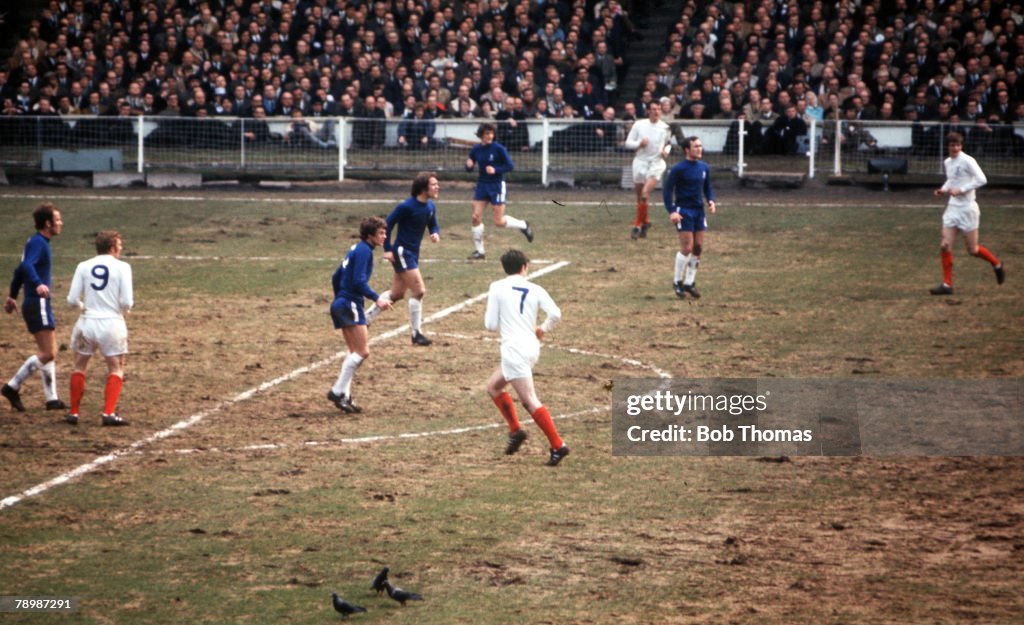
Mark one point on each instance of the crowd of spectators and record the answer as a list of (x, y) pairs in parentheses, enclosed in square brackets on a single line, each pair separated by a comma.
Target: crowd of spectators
[(373, 59), (782, 64), (779, 64)]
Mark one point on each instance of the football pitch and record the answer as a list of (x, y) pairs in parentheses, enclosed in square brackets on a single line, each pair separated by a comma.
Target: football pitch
[(239, 494)]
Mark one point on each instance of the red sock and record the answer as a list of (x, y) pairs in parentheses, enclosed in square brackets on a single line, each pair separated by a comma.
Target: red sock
[(112, 393), (947, 268), (542, 418), (643, 214), (639, 220), (77, 390), (507, 407), (987, 255)]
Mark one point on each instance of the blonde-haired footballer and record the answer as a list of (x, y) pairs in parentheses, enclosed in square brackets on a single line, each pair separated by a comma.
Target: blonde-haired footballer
[(650, 138), (963, 177), (102, 288)]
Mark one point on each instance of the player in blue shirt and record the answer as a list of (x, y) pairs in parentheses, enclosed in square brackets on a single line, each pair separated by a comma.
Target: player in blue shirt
[(410, 219), (494, 162), (351, 282), (33, 274), (686, 188)]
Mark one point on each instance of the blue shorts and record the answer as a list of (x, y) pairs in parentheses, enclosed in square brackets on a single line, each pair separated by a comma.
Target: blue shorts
[(37, 314), (692, 221), (405, 259), (347, 312), (493, 192)]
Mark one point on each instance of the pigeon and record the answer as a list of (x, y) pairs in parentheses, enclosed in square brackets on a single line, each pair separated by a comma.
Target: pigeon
[(401, 596), (344, 607), (378, 582)]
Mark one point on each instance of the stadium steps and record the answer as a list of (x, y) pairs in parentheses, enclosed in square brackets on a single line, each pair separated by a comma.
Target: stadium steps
[(645, 52)]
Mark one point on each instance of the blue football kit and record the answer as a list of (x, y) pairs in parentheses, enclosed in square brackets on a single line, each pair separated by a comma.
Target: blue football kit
[(491, 187), (34, 269), (411, 218), (687, 186), (351, 283)]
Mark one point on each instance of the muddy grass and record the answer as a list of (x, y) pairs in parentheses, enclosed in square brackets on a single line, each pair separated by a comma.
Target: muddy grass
[(259, 511)]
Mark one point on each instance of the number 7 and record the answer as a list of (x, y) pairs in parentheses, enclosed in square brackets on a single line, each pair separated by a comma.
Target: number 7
[(522, 300)]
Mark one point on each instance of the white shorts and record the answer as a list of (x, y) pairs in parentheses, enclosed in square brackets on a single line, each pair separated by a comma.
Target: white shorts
[(515, 365), (108, 336), (643, 170), (966, 219)]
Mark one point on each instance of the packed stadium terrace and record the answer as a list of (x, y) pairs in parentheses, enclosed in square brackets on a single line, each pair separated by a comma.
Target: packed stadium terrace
[(956, 62)]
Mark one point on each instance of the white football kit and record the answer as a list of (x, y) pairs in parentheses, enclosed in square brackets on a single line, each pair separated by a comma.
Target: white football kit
[(650, 160), (512, 305), (962, 211), (102, 287)]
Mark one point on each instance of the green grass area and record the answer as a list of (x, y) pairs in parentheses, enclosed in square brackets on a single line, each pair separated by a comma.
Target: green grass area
[(261, 510)]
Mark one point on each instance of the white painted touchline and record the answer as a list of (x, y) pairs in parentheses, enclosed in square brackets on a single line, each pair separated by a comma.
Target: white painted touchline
[(92, 465)]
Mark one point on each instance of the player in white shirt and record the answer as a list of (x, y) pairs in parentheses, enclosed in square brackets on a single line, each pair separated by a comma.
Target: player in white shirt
[(512, 307), (102, 288), (963, 177), (651, 139)]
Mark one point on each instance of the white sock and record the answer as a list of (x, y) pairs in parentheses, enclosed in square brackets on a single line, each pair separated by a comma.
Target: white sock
[(415, 314), (691, 270), (478, 238), (512, 222), (348, 369), (30, 366), (681, 261), (374, 310), (48, 373)]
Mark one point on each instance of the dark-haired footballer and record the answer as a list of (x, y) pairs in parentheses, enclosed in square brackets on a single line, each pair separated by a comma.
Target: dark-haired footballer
[(494, 162), (33, 274), (410, 220), (512, 307), (351, 283)]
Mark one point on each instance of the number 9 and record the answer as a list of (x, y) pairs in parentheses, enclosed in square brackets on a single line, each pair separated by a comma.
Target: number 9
[(100, 272)]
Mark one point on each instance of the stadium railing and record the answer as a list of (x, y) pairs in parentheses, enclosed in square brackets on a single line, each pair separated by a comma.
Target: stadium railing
[(549, 150)]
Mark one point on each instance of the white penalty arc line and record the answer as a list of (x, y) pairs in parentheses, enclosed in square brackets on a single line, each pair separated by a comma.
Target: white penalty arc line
[(449, 432), (184, 424), (661, 373), (372, 439)]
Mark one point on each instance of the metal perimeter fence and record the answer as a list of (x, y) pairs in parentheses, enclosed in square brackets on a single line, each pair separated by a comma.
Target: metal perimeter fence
[(570, 151)]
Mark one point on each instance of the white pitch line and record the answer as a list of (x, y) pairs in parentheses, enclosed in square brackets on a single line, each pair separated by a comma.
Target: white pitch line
[(574, 350), (296, 259), (184, 424), (292, 259), (462, 430), (378, 200), (257, 200), (370, 439)]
